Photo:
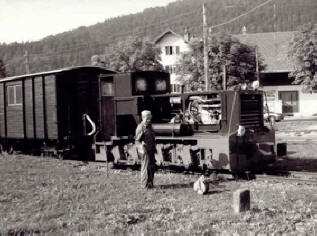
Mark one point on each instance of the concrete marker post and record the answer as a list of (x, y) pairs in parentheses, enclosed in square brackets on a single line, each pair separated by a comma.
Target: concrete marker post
[(241, 200)]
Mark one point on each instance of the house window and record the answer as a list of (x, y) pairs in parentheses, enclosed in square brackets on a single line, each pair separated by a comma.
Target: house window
[(289, 101), (167, 68), (270, 95), (14, 94), (176, 88), (168, 50), (177, 50), (172, 69)]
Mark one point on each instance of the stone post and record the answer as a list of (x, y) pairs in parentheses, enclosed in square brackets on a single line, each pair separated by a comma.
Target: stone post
[(241, 200)]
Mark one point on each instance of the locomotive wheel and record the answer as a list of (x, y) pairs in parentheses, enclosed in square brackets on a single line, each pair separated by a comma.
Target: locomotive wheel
[(60, 156), (10, 150)]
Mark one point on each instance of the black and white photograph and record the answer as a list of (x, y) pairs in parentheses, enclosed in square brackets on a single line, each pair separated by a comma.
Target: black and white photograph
[(158, 117)]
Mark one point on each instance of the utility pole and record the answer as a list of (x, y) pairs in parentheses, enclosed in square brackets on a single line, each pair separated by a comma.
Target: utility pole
[(224, 77), (274, 24), (257, 65), (27, 64), (205, 40)]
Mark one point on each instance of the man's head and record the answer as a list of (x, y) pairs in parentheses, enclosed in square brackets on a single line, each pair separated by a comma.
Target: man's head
[(146, 117)]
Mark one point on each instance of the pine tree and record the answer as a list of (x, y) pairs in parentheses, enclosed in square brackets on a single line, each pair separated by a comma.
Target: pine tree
[(2, 69)]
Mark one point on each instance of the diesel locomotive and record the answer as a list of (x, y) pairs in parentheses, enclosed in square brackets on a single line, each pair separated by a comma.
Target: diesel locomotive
[(88, 111)]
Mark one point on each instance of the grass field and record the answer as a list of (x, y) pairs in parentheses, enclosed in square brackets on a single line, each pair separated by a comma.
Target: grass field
[(43, 195)]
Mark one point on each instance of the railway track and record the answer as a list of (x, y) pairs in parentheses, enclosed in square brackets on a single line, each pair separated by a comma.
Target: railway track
[(290, 176), (272, 175)]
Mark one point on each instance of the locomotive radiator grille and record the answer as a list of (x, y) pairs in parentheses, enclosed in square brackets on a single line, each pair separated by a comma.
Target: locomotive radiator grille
[(251, 111)]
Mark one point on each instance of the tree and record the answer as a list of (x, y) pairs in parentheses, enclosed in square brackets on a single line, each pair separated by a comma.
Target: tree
[(3, 72), (96, 60), (303, 50), (134, 54), (223, 50)]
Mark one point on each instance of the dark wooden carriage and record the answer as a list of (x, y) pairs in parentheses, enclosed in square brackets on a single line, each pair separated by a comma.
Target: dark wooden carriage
[(45, 109)]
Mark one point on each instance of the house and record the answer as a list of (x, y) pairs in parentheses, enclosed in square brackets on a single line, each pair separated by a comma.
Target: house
[(172, 45), (281, 94)]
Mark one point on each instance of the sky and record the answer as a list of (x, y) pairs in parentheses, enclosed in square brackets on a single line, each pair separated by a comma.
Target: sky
[(29, 20)]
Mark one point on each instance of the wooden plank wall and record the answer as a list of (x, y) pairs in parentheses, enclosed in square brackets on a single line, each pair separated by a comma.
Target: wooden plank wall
[(2, 131), (38, 102), (29, 109), (51, 107), (37, 108)]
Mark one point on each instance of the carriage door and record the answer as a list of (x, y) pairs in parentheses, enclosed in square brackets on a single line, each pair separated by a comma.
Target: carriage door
[(83, 103), (107, 108)]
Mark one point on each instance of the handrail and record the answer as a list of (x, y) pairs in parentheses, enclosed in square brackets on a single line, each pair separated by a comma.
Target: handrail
[(93, 125)]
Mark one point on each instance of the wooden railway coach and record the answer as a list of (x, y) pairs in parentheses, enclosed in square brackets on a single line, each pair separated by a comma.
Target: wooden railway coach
[(46, 109)]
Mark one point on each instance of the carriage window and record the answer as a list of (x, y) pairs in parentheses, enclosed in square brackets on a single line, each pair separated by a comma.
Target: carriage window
[(160, 85), (14, 94), (177, 50), (107, 89), (141, 85)]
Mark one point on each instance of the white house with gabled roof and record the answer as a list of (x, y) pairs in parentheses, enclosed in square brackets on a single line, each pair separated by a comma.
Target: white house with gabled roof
[(172, 45)]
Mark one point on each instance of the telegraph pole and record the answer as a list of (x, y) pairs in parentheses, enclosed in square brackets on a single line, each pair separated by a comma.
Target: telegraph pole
[(257, 64), (224, 77), (27, 64), (205, 39)]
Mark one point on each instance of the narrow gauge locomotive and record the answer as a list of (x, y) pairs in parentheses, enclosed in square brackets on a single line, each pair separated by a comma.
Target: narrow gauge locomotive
[(91, 111), (205, 130)]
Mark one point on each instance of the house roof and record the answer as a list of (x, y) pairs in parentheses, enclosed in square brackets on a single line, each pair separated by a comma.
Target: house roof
[(273, 47), (161, 36)]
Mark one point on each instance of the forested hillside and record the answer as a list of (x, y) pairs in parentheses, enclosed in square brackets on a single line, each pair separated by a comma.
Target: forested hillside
[(77, 46)]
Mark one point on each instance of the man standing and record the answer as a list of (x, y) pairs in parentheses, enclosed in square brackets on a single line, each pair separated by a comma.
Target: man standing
[(145, 141)]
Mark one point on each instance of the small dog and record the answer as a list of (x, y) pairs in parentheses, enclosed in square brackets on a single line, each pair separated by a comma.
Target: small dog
[(201, 186)]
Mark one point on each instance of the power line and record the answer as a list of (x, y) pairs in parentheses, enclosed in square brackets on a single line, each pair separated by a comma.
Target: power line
[(242, 15), (141, 32)]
